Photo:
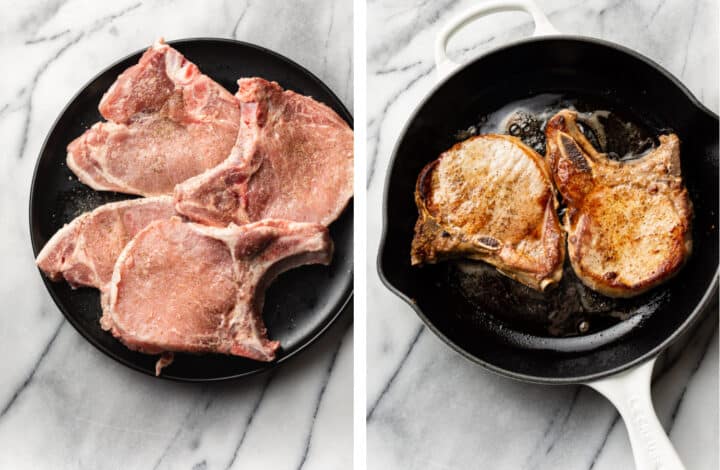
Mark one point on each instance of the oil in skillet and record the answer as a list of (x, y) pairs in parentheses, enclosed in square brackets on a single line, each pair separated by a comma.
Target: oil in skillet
[(618, 135), (571, 308)]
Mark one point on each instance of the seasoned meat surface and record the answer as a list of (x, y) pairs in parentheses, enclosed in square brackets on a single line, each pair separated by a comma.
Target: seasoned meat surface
[(166, 122), (490, 198), (293, 159), (84, 251), (180, 286), (628, 222)]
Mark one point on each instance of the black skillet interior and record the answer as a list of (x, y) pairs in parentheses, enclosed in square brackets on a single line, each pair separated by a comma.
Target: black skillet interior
[(578, 71), (299, 305)]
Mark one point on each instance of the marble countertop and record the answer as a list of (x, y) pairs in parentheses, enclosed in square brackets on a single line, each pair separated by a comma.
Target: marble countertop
[(429, 408), (63, 404)]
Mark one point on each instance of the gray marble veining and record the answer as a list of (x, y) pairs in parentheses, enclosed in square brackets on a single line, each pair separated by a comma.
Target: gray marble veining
[(428, 408), (63, 404)]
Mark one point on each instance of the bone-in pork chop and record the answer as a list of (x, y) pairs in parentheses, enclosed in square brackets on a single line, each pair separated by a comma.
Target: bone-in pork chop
[(293, 160), (180, 286), (490, 198), (84, 251), (166, 123), (628, 222)]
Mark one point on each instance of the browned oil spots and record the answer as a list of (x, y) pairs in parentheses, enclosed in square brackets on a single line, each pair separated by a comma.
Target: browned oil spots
[(620, 136), (568, 309)]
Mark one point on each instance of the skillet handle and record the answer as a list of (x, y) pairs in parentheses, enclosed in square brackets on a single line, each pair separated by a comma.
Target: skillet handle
[(445, 66), (629, 391)]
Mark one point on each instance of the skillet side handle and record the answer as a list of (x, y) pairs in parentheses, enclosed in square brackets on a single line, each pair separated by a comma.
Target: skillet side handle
[(445, 66), (629, 391)]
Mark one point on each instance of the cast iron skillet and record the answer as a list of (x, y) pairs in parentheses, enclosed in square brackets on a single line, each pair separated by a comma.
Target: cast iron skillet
[(580, 69), (299, 306)]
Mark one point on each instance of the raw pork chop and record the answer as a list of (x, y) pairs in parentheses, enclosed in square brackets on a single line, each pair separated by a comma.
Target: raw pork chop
[(166, 123), (180, 286), (85, 250), (628, 222), (293, 160), (490, 198)]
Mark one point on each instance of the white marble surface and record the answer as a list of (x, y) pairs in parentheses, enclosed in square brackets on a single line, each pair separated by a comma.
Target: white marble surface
[(428, 407), (63, 404)]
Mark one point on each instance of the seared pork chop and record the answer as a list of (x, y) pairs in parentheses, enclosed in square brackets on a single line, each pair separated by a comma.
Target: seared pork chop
[(179, 286), (166, 123), (293, 159), (85, 250), (490, 198), (628, 222)]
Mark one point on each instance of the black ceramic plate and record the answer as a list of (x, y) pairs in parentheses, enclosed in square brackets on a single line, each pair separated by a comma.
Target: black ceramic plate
[(299, 305)]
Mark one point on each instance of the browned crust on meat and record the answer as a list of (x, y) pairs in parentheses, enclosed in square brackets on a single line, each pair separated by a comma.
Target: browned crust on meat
[(607, 200), (608, 283), (436, 239)]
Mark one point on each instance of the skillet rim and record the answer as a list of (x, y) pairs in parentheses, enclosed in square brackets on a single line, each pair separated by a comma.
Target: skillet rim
[(260, 367), (691, 318)]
